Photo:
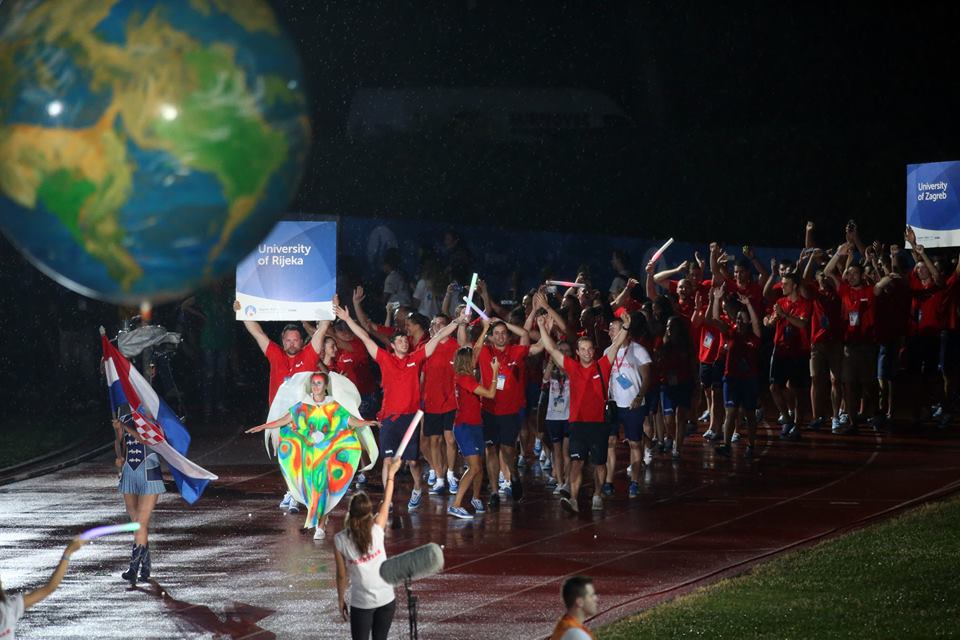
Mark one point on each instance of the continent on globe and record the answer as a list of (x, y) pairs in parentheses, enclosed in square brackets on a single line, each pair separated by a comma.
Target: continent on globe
[(145, 145)]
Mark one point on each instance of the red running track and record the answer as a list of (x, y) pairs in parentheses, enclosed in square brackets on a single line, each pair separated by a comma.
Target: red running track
[(233, 566)]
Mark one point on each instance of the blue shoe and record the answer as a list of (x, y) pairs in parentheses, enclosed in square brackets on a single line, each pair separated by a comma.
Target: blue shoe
[(454, 485), (537, 447), (432, 477), (459, 512), (287, 501), (506, 491), (361, 479), (634, 490), (438, 489), (416, 498), (607, 489), (477, 505)]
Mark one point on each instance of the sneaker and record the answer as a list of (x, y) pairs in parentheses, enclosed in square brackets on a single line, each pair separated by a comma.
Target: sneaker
[(558, 489), (551, 482), (361, 479), (710, 435), (876, 423), (785, 429), (521, 462), (569, 505), (634, 490), (494, 501), (564, 490), (451, 479), (735, 437), (416, 498), (453, 483), (748, 452), (783, 419), (477, 505), (438, 489), (629, 470), (515, 491), (506, 491), (723, 450), (937, 411), (835, 425), (816, 425), (432, 477), (844, 419), (704, 417), (793, 433), (662, 446), (647, 455), (537, 447), (459, 512), (596, 503), (606, 490), (294, 506), (667, 444), (675, 455), (546, 464), (287, 501), (319, 534)]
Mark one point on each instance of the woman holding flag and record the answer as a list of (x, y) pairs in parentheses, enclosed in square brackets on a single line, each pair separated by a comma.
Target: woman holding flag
[(318, 450)]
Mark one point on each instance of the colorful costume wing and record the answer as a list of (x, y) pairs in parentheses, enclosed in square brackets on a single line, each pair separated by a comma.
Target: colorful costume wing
[(345, 393), (319, 455), (291, 392)]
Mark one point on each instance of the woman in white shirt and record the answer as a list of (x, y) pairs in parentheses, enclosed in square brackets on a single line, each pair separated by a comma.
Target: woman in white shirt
[(360, 551)]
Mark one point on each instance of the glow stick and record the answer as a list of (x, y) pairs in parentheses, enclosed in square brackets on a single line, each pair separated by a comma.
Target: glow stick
[(96, 532), (659, 252), (564, 283), (473, 287), (409, 434), (479, 311)]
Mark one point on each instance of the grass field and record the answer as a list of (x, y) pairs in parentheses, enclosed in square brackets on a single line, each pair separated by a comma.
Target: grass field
[(899, 579)]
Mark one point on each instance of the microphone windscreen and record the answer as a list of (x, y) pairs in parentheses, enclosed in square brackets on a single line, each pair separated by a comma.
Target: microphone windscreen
[(417, 563)]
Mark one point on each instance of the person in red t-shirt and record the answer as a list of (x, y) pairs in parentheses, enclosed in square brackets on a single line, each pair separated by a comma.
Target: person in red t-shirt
[(400, 375), (468, 426), (501, 415), (589, 390), (439, 407), (284, 361), (740, 388), (950, 348), (826, 350), (926, 324), (790, 362)]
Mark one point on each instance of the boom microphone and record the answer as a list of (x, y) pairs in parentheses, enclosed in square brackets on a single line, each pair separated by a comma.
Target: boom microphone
[(421, 562)]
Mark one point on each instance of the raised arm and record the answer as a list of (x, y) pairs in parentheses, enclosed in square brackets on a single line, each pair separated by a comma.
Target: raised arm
[(555, 354), (254, 329), (808, 241), (751, 255), (619, 339), (520, 332), (358, 331), (489, 306), (768, 284), (540, 301), (919, 253), (384, 511), (448, 330), (668, 274), (754, 320), (830, 269), (479, 343), (33, 597)]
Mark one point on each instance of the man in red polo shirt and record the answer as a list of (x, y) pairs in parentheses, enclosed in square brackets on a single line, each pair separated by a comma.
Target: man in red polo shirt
[(790, 363), (589, 385), (400, 377), (284, 361), (440, 407)]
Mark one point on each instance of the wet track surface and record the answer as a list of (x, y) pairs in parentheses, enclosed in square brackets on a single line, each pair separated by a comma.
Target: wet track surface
[(234, 566)]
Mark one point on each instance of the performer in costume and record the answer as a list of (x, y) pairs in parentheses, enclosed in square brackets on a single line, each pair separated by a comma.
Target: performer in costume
[(318, 449), (141, 484)]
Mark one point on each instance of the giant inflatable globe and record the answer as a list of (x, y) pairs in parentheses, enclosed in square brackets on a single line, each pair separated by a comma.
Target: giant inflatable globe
[(145, 145)]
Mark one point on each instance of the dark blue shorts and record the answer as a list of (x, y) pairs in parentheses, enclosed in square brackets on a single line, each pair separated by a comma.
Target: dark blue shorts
[(675, 396), (740, 392), (794, 370), (711, 375), (434, 424), (632, 421), (588, 441), (557, 429), (469, 439), (391, 433), (653, 400), (887, 357), (501, 430)]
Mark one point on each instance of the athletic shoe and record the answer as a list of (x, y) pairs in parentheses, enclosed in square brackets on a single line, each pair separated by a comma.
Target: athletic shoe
[(675, 455), (453, 483), (704, 417), (416, 498), (937, 411), (816, 425), (596, 503), (844, 419), (432, 477), (500, 480), (557, 490), (876, 423), (494, 501), (634, 490), (569, 505), (546, 464), (735, 437), (459, 512), (710, 434), (835, 425), (537, 447), (506, 491), (521, 462), (783, 419), (723, 450), (477, 505), (647, 455), (319, 534), (438, 489), (564, 490), (607, 489), (361, 479), (287, 501), (662, 446), (667, 444), (785, 429), (793, 433), (294, 507), (516, 491), (451, 479), (551, 482), (629, 470)]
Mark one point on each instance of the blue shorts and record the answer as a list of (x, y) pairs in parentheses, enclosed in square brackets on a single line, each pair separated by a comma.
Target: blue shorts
[(653, 400), (469, 438), (434, 424), (501, 430), (391, 433), (557, 430), (740, 392), (632, 421), (675, 396), (711, 375), (887, 357)]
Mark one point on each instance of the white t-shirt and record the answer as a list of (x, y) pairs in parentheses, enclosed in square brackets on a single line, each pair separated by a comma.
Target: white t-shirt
[(558, 402), (367, 588), (625, 378), (395, 288), (428, 303), (11, 610)]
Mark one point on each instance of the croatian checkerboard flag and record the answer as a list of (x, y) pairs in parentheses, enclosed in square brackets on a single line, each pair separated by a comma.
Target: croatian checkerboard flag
[(154, 421)]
